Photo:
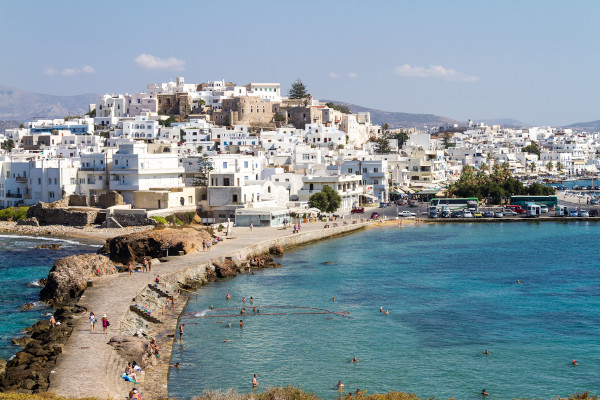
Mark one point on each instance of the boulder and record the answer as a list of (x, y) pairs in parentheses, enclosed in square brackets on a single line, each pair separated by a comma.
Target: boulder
[(29, 221), (49, 246), (131, 348), (69, 276), (225, 269), (276, 250), (22, 341), (110, 199), (27, 306)]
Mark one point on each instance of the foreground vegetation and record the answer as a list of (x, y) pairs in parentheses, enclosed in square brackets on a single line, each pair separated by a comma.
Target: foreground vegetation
[(13, 214), (281, 393)]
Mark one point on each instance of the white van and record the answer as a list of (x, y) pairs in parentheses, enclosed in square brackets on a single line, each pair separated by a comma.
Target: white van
[(534, 210), (561, 211)]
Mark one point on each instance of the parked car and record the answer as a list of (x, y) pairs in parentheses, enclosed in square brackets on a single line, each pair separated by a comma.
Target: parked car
[(406, 214), (573, 213), (508, 212), (467, 214), (383, 205), (488, 214), (594, 201), (498, 214), (401, 202), (413, 203), (358, 210), (478, 214), (457, 214), (595, 213), (375, 215), (583, 214), (544, 208), (516, 208)]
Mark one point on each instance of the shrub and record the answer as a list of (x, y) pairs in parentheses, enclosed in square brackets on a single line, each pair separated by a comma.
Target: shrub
[(21, 213), (190, 216), (170, 219), (220, 227), (179, 222), (159, 220), (8, 214)]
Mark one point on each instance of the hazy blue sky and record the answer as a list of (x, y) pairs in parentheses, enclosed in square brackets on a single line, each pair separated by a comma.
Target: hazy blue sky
[(536, 61)]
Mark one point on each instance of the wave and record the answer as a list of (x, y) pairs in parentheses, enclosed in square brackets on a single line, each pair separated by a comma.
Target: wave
[(201, 313), (35, 283), (41, 238)]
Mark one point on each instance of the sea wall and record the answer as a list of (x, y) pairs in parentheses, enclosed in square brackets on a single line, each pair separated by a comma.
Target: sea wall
[(184, 281)]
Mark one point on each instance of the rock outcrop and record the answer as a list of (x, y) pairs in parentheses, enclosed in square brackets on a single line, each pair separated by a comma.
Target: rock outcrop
[(69, 276), (29, 370), (155, 244), (29, 221)]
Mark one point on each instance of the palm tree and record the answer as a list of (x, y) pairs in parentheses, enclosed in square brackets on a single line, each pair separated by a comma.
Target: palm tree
[(559, 166), (549, 166), (532, 166)]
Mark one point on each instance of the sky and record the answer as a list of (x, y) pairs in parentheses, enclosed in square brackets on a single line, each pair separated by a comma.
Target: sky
[(535, 61)]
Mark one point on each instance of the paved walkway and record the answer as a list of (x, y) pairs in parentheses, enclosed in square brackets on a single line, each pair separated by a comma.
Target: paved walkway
[(87, 361)]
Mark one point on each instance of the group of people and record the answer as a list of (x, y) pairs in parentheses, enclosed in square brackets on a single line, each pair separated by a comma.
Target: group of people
[(131, 372), (206, 243), (297, 228), (146, 266), (104, 320)]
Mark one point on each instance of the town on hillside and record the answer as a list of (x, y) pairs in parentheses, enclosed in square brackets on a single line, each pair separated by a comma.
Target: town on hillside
[(252, 154)]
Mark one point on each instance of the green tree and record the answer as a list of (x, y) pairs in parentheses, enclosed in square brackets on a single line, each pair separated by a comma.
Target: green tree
[(327, 200), (559, 166), (532, 149), (298, 90), (532, 166), (382, 145), (401, 137), (182, 136), (204, 168), (385, 127), (8, 145), (227, 121), (549, 166), (279, 117), (339, 107)]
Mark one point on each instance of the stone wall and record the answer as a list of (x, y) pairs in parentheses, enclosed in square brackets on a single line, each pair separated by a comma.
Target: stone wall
[(48, 215), (110, 199), (78, 200), (133, 219)]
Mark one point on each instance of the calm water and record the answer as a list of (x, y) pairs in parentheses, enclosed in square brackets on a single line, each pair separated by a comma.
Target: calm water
[(451, 291), (21, 266)]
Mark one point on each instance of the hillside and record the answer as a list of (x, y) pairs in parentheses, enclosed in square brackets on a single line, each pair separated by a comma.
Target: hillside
[(398, 119), (21, 105), (592, 126), (505, 122)]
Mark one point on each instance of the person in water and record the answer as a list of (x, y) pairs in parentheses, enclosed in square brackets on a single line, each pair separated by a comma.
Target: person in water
[(380, 309), (484, 393), (355, 360), (487, 353), (333, 298), (340, 384), (575, 362), (176, 365), (228, 297), (254, 381), (241, 323), (386, 312)]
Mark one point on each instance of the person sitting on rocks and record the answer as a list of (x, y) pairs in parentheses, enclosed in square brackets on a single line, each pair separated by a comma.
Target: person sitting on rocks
[(154, 346), (130, 373), (133, 395)]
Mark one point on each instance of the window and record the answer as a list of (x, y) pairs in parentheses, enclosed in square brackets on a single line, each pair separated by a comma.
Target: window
[(225, 162), (49, 181), (364, 170), (245, 164), (234, 198), (376, 170), (39, 181), (73, 181), (51, 195)]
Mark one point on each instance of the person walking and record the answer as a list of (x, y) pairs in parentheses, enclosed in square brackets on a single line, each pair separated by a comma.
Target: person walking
[(105, 324), (251, 226), (130, 267), (92, 321), (203, 245)]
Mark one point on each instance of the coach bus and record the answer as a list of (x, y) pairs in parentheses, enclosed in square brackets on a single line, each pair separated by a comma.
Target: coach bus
[(470, 203), (550, 201)]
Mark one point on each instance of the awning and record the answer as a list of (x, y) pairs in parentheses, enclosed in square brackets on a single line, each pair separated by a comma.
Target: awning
[(370, 196), (406, 189)]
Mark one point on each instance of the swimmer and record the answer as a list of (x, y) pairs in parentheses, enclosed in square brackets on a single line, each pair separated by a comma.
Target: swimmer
[(212, 307), (380, 309), (333, 298), (487, 353), (226, 340), (228, 297), (228, 324), (243, 311), (253, 309), (241, 323), (484, 393), (243, 299), (176, 365), (575, 362), (518, 281), (387, 312), (340, 384), (355, 360), (254, 381), (358, 391), (251, 300)]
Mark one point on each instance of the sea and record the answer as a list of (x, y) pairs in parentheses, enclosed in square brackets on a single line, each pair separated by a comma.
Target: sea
[(529, 293), (21, 268)]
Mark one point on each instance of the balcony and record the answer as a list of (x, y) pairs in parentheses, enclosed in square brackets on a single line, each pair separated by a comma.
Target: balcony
[(21, 179), (92, 169), (14, 195)]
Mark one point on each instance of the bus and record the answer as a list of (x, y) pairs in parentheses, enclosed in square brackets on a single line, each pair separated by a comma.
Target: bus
[(550, 201), (470, 203)]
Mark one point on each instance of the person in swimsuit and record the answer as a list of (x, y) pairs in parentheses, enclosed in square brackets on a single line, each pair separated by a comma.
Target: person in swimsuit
[(355, 360), (340, 384), (254, 381), (484, 393), (228, 297), (241, 323), (181, 332)]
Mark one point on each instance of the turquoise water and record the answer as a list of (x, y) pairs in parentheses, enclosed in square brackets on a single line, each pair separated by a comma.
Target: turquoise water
[(452, 293), (21, 266)]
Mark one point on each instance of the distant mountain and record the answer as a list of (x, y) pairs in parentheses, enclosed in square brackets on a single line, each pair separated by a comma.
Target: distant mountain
[(507, 122), (21, 105), (592, 126), (398, 119)]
